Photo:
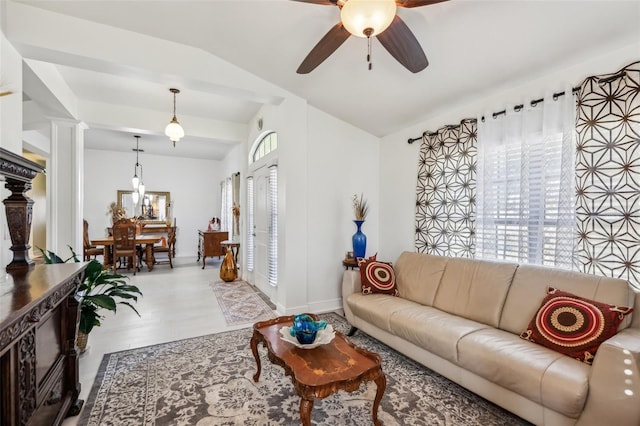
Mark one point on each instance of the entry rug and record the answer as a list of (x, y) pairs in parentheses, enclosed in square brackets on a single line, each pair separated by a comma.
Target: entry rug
[(240, 303), (208, 380)]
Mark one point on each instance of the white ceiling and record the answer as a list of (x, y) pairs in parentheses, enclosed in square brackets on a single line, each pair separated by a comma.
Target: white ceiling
[(474, 47)]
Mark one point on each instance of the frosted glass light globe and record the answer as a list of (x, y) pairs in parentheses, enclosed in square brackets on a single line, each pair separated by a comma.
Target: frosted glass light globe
[(174, 130), (358, 15)]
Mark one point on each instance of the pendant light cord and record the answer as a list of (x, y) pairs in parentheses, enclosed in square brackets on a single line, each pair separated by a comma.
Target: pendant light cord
[(174, 109)]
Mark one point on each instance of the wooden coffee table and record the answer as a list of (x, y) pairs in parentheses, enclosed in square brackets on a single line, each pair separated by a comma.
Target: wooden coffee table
[(319, 372)]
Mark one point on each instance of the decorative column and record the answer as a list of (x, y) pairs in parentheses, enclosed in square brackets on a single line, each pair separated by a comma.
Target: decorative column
[(18, 173), (65, 187)]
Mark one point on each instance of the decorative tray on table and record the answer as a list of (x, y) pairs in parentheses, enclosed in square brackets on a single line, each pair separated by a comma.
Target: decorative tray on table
[(323, 337)]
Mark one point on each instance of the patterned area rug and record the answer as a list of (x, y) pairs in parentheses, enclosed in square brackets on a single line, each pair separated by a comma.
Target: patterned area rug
[(240, 303), (208, 381)]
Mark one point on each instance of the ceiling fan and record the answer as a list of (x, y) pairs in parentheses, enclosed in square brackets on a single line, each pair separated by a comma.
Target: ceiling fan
[(370, 18)]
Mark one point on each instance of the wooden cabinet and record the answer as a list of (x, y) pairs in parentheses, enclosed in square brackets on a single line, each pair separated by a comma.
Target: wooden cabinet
[(209, 244), (39, 316)]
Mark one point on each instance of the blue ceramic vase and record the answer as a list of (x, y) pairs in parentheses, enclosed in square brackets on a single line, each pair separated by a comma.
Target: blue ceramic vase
[(359, 241)]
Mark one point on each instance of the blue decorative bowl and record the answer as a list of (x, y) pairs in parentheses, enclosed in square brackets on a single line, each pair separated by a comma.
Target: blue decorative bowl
[(306, 337), (305, 328)]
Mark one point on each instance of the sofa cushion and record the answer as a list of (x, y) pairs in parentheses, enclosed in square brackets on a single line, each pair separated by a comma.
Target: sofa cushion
[(418, 276), (377, 277), (432, 329), (530, 284), (574, 326), (533, 371), (377, 309), (475, 289)]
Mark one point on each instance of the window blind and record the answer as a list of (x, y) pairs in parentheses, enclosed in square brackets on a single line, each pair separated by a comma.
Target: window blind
[(250, 225), (273, 226)]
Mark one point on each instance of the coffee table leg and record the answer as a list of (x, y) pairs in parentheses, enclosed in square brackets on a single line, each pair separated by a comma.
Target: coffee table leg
[(254, 349), (381, 383), (305, 411)]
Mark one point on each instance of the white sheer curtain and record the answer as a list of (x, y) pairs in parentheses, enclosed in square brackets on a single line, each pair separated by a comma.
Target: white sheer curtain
[(526, 184), (226, 198)]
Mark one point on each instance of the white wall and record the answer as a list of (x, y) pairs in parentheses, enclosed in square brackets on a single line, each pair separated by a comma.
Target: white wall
[(194, 187), (322, 162), (289, 120), (10, 123), (342, 161), (399, 160)]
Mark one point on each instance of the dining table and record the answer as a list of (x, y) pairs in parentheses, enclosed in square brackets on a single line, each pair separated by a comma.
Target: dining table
[(147, 240)]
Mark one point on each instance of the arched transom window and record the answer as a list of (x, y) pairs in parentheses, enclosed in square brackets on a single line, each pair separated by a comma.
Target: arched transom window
[(267, 144)]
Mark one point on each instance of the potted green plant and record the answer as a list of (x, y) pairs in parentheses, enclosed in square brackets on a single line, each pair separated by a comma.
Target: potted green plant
[(99, 290)]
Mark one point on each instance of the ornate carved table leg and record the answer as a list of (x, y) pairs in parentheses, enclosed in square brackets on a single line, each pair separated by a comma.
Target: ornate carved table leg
[(305, 411), (149, 255), (73, 369), (254, 348), (381, 383)]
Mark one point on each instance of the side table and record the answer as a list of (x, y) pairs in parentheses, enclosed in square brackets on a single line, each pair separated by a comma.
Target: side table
[(350, 263), (234, 246)]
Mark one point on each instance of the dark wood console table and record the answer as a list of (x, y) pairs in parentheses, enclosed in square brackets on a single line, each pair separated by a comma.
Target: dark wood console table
[(209, 244), (39, 316)]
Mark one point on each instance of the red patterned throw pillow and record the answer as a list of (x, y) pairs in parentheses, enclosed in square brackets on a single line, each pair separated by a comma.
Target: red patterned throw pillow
[(573, 325), (377, 277)]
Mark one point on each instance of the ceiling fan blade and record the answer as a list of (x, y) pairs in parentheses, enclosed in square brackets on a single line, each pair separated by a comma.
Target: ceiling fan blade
[(410, 3), (403, 45), (325, 47), (323, 2)]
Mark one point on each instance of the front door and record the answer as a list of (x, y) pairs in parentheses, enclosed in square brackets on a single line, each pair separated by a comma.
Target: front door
[(261, 232)]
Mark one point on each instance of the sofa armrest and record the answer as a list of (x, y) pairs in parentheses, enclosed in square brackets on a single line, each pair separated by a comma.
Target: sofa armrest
[(350, 283), (614, 383)]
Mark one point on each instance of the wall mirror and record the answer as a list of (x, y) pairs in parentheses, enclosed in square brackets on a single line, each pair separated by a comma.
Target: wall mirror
[(153, 208)]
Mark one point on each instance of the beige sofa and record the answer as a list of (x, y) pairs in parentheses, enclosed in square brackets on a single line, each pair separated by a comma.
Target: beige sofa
[(462, 318)]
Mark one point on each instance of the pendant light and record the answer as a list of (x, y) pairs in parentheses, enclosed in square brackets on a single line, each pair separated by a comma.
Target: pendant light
[(137, 182), (174, 130)]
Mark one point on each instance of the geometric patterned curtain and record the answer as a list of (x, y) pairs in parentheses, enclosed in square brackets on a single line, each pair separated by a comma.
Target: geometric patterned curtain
[(445, 198), (608, 175)]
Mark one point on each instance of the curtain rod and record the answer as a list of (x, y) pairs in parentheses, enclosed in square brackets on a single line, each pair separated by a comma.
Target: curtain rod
[(516, 108)]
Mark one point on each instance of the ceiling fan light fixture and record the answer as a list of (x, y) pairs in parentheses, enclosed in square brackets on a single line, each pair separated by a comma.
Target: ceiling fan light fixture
[(364, 18)]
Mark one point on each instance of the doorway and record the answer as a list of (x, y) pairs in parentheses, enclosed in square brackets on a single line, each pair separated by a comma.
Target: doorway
[(261, 232), (262, 239)]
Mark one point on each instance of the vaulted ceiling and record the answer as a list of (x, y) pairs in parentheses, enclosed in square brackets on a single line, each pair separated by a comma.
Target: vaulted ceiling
[(474, 47)]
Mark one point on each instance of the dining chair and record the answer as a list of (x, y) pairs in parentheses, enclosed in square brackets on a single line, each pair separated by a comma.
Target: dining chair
[(124, 244), (88, 249), (168, 248)]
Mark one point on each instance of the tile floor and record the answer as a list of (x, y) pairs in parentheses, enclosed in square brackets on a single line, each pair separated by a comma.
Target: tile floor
[(177, 303)]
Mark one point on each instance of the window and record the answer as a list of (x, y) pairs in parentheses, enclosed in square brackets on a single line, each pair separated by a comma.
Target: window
[(525, 187), (267, 144), (273, 226), (250, 224)]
